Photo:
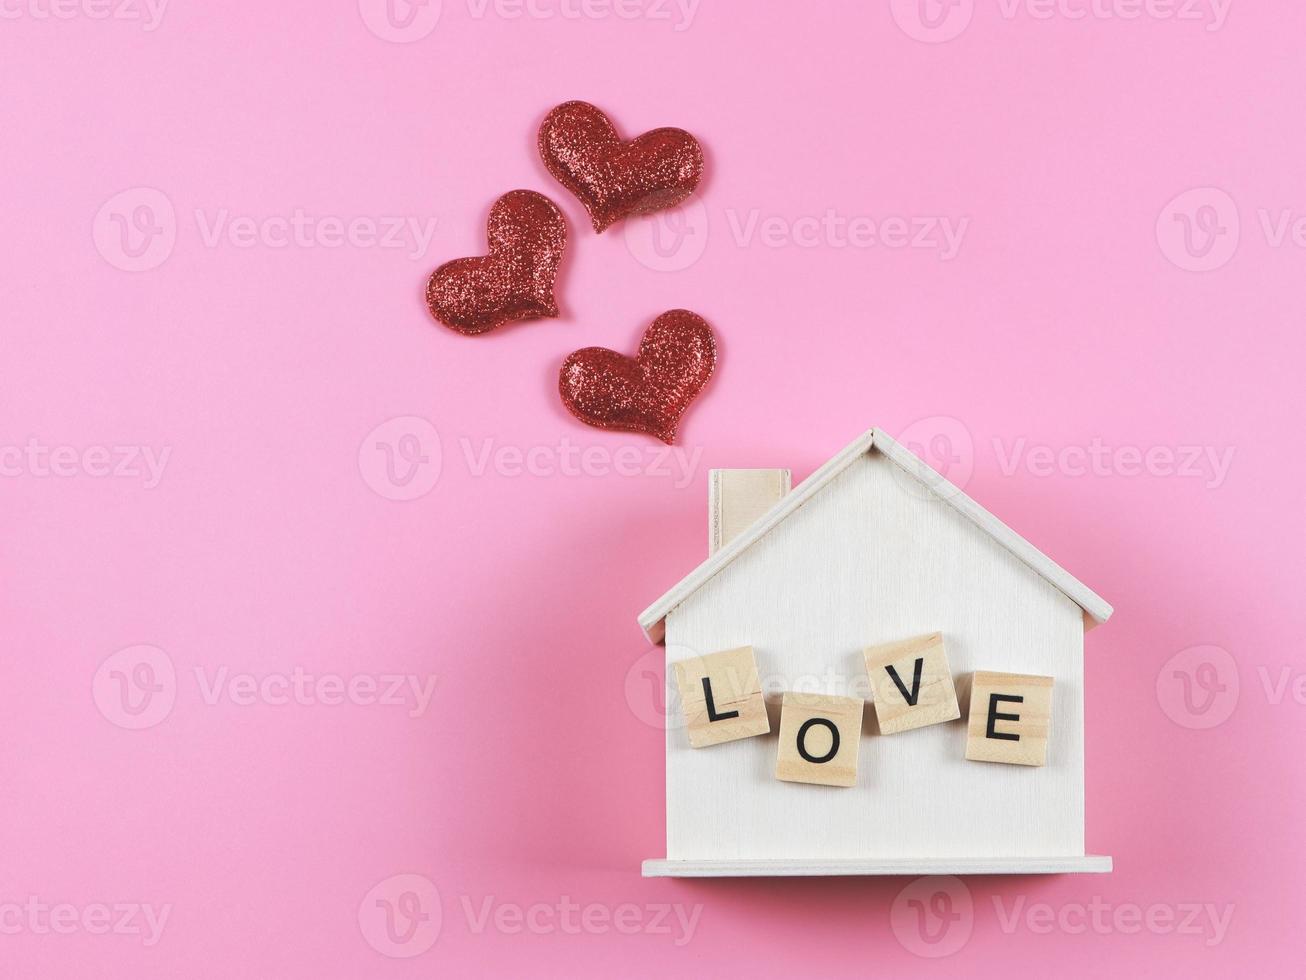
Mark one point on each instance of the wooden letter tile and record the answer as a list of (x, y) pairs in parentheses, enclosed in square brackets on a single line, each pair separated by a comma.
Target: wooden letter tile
[(721, 696), (819, 738), (912, 684), (1010, 717)]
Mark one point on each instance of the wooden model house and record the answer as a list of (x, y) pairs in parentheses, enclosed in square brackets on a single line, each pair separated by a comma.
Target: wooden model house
[(877, 601)]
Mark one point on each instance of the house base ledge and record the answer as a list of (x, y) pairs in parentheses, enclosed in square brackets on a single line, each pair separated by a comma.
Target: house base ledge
[(825, 867)]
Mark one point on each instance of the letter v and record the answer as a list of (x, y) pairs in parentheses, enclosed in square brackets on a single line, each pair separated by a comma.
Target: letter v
[(914, 694)]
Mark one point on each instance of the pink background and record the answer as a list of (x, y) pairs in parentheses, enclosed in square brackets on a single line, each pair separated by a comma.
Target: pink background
[(535, 773)]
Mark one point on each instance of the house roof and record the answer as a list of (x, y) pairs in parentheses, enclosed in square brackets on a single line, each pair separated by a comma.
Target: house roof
[(1096, 609)]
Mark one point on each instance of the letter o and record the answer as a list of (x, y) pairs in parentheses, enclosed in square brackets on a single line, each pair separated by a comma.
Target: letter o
[(834, 740)]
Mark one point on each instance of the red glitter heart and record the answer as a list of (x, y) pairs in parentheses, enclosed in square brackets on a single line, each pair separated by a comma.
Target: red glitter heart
[(614, 178), (515, 281), (648, 392)]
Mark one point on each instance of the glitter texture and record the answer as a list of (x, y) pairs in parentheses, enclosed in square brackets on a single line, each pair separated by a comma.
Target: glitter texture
[(515, 280), (613, 178), (646, 393)]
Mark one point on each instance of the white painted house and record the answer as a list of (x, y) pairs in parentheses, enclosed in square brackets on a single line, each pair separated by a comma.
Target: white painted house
[(875, 547)]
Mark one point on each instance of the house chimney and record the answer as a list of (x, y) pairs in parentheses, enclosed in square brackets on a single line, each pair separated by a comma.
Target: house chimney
[(736, 498)]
